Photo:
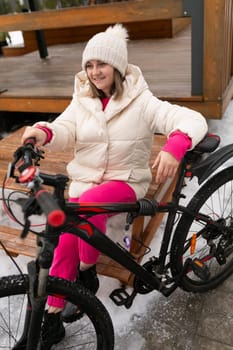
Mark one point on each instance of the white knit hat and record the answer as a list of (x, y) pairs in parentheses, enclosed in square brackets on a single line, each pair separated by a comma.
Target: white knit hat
[(109, 47)]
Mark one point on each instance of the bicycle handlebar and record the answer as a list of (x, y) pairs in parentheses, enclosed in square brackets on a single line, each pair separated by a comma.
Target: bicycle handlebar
[(56, 217), (29, 158)]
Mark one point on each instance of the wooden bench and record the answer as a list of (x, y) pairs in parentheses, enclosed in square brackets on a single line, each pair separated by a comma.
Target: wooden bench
[(57, 162)]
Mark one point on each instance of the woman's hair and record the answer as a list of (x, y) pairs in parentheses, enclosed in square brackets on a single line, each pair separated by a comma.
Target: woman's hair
[(117, 87)]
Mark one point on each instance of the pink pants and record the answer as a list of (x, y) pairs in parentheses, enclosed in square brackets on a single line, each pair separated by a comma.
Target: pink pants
[(71, 249)]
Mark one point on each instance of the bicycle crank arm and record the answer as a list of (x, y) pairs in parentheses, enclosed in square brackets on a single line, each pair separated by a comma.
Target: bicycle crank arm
[(167, 291)]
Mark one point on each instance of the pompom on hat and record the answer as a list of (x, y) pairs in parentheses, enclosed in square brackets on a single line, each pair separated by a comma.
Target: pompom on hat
[(109, 47)]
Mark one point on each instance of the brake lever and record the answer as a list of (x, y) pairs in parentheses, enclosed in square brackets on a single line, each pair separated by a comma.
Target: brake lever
[(29, 207), (36, 154), (38, 157), (10, 171), (26, 228)]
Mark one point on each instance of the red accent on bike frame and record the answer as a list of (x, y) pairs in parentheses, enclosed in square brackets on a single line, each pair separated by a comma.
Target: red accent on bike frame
[(84, 206), (207, 258), (188, 174), (87, 228), (162, 204)]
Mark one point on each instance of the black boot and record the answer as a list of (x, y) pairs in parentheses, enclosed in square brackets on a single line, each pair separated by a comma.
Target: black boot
[(52, 331), (89, 280)]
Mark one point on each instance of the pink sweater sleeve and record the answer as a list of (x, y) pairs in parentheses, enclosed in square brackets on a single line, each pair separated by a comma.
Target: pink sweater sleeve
[(177, 144), (48, 132)]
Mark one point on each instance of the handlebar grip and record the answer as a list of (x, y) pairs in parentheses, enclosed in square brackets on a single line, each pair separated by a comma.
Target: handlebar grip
[(27, 155), (56, 217)]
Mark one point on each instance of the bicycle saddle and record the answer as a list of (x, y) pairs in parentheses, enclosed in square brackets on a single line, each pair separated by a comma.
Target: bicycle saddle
[(208, 144)]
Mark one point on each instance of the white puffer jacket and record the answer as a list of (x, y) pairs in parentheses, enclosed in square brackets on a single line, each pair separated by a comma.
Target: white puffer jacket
[(115, 144)]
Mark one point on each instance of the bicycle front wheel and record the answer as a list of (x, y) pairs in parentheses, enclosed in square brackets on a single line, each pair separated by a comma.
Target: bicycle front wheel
[(93, 331), (208, 244)]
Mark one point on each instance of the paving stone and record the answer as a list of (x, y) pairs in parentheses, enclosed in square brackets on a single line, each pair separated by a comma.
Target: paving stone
[(203, 343), (183, 321)]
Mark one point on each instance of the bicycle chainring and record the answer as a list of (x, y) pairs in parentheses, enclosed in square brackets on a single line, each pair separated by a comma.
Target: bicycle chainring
[(140, 286)]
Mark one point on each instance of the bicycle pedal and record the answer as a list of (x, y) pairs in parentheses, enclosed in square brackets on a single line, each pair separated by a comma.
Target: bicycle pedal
[(120, 296), (200, 269)]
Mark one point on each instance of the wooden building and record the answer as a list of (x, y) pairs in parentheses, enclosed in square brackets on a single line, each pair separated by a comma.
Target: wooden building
[(196, 69)]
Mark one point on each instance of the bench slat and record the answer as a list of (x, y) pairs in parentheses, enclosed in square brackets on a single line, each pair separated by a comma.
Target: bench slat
[(10, 238)]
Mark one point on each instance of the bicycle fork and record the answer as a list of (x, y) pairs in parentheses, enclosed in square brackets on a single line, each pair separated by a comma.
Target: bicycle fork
[(35, 308)]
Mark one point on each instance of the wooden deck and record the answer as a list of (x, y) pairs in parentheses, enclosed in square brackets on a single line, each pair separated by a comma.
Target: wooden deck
[(36, 85), (193, 68)]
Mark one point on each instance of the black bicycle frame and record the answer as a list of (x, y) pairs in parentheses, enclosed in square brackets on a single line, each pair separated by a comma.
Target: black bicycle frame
[(90, 234), (81, 227)]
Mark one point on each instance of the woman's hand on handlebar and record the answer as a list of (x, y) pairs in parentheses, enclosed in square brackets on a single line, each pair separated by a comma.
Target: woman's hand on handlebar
[(39, 135)]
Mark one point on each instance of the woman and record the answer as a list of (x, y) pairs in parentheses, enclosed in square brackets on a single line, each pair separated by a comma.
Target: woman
[(110, 122)]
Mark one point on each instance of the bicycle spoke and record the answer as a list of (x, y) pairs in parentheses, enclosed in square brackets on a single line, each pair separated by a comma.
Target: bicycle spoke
[(210, 242), (93, 331), (11, 319)]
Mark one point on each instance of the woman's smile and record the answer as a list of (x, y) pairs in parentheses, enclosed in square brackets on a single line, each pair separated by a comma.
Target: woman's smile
[(101, 75)]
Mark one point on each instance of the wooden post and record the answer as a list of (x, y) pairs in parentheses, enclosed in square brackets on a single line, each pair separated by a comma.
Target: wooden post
[(40, 37), (194, 9), (232, 61), (213, 68)]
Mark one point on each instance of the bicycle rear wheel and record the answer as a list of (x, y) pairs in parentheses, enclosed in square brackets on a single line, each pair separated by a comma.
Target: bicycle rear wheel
[(93, 331), (194, 239)]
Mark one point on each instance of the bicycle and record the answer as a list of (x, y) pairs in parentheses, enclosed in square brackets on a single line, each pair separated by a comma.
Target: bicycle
[(196, 251)]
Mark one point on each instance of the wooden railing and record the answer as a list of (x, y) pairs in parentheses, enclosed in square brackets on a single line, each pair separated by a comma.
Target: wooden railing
[(214, 64), (124, 12)]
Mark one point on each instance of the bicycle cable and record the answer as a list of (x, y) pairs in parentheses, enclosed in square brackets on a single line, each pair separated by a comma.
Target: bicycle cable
[(6, 202), (11, 257)]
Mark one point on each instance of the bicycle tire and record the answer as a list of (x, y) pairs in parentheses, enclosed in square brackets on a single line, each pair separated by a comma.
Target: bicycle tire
[(93, 331), (215, 199)]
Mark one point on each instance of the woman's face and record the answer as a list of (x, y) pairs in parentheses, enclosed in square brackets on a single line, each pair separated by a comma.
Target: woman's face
[(101, 75)]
